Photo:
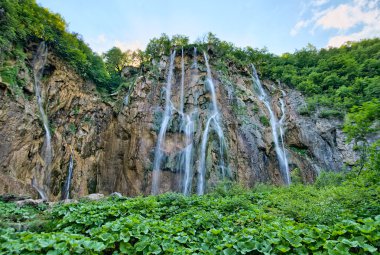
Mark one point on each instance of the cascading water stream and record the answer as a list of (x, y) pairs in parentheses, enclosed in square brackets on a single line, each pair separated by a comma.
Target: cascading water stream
[(38, 67), (181, 103), (187, 125), (202, 161), (215, 120), (281, 127), (187, 156), (161, 136), (66, 188), (275, 125), (195, 62)]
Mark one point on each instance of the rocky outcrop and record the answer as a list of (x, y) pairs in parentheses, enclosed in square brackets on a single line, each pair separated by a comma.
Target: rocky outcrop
[(78, 120), (113, 144)]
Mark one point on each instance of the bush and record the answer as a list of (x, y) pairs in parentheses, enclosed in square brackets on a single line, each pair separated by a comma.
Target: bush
[(304, 111), (267, 220), (330, 114), (328, 178), (264, 120)]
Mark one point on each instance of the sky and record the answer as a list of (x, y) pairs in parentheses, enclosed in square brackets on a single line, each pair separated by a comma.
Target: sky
[(280, 25)]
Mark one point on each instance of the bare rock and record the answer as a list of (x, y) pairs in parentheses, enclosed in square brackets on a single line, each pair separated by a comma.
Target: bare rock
[(94, 196), (30, 202)]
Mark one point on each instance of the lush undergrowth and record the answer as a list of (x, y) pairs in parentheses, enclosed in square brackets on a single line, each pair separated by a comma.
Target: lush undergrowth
[(318, 219)]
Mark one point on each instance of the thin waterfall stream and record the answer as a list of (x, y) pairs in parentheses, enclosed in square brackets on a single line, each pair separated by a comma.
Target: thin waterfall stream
[(161, 136), (215, 120), (187, 126), (66, 188), (39, 62), (276, 126)]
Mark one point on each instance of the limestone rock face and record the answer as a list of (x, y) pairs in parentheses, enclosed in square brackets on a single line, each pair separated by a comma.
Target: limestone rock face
[(113, 144)]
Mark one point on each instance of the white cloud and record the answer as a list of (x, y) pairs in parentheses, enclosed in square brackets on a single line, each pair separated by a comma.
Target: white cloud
[(352, 21), (319, 2), (134, 45), (347, 16), (369, 31), (102, 43), (101, 39), (299, 25)]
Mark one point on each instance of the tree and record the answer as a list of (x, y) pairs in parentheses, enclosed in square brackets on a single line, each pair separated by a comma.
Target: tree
[(115, 60), (360, 123), (180, 40), (158, 47)]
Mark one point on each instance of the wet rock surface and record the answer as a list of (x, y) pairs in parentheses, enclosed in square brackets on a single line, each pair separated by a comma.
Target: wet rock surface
[(113, 144)]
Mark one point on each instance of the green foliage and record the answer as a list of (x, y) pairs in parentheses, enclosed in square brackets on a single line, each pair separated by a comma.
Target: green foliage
[(115, 60), (301, 151), (295, 176), (158, 47), (326, 179), (362, 121), (180, 40), (335, 79), (24, 22), (72, 128), (267, 220), (10, 212), (344, 76), (9, 75), (305, 111), (330, 113), (264, 120)]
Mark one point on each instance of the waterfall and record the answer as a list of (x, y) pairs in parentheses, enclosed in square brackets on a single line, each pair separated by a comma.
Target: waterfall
[(40, 191), (215, 120), (161, 136), (281, 127), (187, 126), (38, 66), (181, 104), (186, 158), (66, 188), (202, 161), (195, 62), (276, 126)]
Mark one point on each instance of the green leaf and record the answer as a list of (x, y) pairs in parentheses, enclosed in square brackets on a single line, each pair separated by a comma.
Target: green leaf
[(46, 242), (247, 246), (282, 248), (155, 249), (229, 251), (126, 248), (140, 246), (181, 239), (369, 248)]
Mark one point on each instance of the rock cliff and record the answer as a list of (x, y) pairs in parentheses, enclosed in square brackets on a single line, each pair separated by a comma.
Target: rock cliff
[(113, 144)]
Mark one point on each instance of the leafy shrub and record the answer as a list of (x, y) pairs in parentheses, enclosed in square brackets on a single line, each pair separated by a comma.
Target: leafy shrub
[(330, 114), (264, 120), (329, 178), (267, 220), (301, 151), (305, 111)]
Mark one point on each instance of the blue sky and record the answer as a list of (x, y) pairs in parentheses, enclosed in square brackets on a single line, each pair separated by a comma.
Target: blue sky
[(280, 25)]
